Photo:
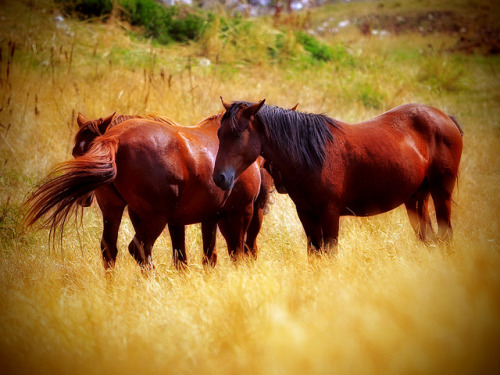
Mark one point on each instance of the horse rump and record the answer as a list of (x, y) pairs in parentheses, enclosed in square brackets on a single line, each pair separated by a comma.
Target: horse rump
[(58, 196)]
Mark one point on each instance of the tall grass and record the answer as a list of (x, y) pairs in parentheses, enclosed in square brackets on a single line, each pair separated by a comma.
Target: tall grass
[(387, 304)]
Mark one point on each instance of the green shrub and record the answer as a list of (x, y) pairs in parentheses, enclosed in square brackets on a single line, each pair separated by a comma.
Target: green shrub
[(318, 50), (190, 27), (154, 17), (165, 24), (87, 8)]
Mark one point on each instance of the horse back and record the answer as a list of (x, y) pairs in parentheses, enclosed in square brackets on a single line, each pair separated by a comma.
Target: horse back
[(168, 168), (426, 120), (426, 129), (408, 144)]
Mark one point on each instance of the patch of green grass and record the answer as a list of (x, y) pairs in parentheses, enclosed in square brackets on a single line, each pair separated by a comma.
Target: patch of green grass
[(285, 47), (441, 74), (318, 50), (130, 58), (370, 96)]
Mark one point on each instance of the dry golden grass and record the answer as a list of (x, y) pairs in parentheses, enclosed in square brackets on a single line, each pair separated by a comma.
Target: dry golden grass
[(386, 304)]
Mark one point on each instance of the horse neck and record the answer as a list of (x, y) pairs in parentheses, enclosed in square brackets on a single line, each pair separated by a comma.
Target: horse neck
[(285, 157), (289, 170)]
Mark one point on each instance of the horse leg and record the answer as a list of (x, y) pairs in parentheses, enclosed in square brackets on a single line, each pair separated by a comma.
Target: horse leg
[(233, 228), (313, 231), (178, 237), (418, 212), (330, 222), (112, 207), (253, 231), (443, 182), (209, 233), (133, 247), (259, 208), (111, 224), (147, 229), (442, 204)]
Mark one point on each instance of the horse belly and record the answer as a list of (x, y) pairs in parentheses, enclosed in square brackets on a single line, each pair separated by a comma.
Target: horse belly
[(194, 207), (383, 187), (372, 206)]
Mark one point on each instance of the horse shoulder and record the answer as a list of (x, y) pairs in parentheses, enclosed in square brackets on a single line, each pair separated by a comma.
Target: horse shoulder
[(246, 187), (197, 152)]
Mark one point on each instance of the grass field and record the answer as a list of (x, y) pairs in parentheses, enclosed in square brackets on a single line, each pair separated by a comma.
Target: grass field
[(386, 304)]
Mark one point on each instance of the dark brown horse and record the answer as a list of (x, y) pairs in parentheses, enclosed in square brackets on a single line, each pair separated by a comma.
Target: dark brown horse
[(162, 172), (330, 168)]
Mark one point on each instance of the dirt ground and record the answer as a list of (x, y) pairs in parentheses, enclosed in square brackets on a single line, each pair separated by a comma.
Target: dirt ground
[(478, 32)]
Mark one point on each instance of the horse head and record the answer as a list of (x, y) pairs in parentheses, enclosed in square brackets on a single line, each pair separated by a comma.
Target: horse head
[(88, 130), (238, 145)]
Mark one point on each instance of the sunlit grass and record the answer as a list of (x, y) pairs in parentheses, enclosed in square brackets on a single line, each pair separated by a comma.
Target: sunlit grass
[(386, 304)]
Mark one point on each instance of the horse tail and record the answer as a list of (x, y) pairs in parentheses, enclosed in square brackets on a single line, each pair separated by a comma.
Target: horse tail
[(262, 201), (454, 119), (57, 197)]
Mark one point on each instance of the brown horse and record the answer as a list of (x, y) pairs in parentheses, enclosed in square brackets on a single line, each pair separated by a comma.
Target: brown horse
[(330, 168), (162, 172)]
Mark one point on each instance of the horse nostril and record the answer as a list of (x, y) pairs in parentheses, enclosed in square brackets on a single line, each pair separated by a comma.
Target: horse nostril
[(219, 179)]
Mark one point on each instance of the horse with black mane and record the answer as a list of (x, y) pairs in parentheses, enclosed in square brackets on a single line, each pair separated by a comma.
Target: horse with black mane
[(331, 168), (162, 172)]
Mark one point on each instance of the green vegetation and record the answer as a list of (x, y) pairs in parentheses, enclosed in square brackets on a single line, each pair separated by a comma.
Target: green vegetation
[(168, 24), (165, 24), (88, 8), (319, 51)]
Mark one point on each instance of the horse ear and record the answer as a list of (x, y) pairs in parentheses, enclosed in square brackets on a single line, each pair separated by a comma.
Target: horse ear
[(225, 104), (80, 120), (105, 123), (294, 108), (253, 109)]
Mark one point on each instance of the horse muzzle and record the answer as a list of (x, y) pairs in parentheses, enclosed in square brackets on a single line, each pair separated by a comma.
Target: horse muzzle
[(224, 180)]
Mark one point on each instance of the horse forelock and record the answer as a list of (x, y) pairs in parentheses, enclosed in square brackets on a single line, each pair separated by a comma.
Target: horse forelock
[(230, 114), (300, 136)]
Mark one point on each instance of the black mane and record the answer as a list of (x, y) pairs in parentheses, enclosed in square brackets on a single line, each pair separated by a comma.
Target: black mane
[(301, 136)]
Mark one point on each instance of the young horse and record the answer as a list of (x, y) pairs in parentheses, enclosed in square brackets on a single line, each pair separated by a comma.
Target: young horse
[(330, 168), (162, 171)]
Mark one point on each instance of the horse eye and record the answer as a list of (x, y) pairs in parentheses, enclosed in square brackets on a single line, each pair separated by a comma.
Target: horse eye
[(237, 136)]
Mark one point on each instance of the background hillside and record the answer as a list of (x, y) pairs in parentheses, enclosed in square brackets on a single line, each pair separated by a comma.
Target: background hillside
[(386, 304)]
